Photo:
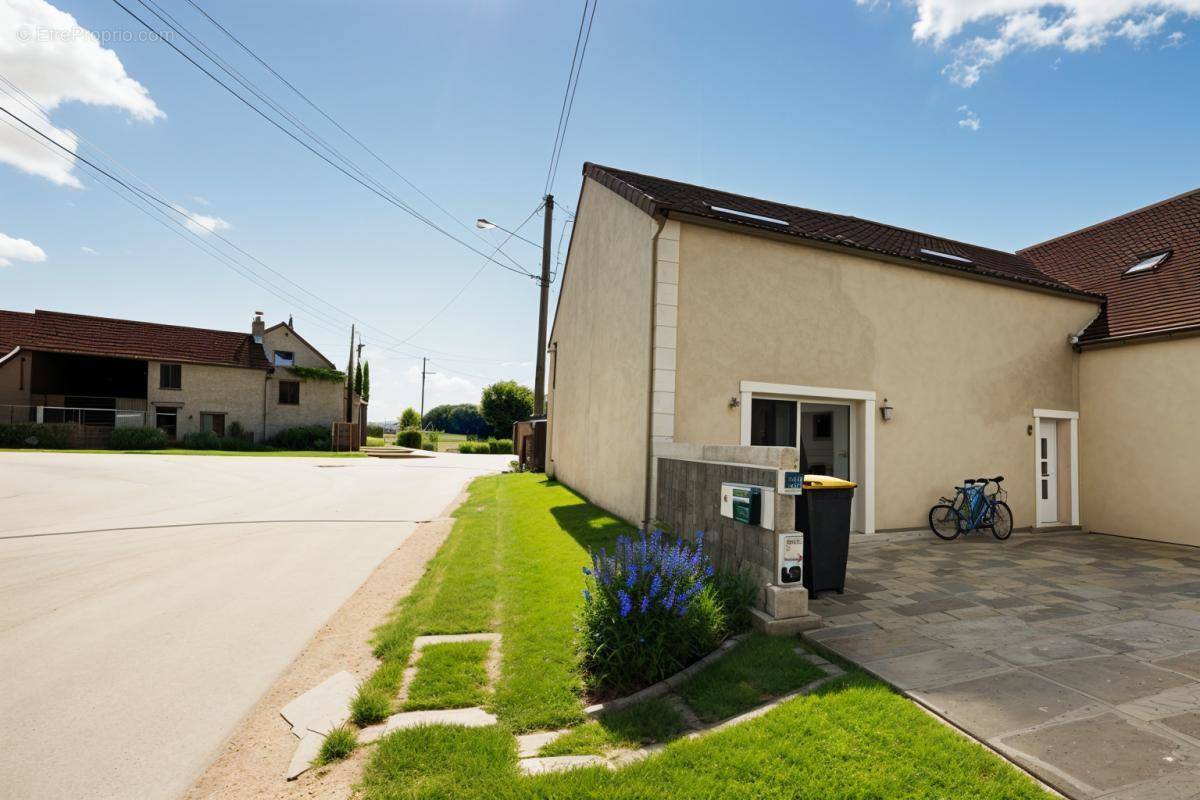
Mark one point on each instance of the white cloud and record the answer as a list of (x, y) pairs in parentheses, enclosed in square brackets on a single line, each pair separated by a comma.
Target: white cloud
[(441, 388), (19, 250), (204, 201), (970, 120), (981, 33), (54, 60), (1175, 39), (202, 224), (90, 251)]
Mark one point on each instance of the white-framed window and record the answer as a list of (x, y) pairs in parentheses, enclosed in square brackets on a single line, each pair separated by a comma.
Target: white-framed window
[(285, 358)]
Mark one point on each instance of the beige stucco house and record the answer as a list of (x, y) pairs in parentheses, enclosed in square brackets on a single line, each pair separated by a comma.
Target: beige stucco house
[(108, 372), (900, 360)]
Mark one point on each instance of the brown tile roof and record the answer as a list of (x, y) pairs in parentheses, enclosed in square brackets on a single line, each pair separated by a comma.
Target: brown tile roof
[(659, 195), (56, 332), (14, 327), (1163, 300)]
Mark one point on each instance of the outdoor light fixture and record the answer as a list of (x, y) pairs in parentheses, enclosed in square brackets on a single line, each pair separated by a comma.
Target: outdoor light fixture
[(735, 401), (484, 225), (885, 411)]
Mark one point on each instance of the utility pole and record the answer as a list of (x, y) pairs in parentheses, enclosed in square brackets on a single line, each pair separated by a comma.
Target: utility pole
[(539, 378), (350, 381), (424, 372)]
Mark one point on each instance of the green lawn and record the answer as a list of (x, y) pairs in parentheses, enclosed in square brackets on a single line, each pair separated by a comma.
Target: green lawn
[(178, 451), (512, 564), (756, 670), (450, 676)]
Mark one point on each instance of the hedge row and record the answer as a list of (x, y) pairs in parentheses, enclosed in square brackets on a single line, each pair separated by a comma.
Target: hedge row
[(32, 434), (493, 446), (138, 439)]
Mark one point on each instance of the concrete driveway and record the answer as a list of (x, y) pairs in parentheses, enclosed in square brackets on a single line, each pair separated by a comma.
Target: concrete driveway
[(147, 602), (1076, 655)]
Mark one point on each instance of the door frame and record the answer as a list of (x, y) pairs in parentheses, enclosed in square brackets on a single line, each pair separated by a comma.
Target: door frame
[(1072, 418), (862, 434)]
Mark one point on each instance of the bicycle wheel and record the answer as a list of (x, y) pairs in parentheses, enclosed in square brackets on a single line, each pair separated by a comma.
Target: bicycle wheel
[(1002, 523), (944, 520)]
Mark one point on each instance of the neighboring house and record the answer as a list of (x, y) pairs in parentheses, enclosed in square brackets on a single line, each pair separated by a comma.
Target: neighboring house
[(104, 372), (903, 361)]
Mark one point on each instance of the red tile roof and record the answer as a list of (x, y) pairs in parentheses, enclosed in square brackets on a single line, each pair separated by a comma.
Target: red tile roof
[(659, 195), (15, 327), (1159, 301), (56, 332)]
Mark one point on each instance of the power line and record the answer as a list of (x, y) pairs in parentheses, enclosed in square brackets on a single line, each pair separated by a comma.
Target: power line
[(564, 114), (333, 121), (383, 194), (470, 280)]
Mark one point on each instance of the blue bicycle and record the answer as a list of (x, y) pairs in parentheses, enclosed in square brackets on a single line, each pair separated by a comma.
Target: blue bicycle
[(973, 508)]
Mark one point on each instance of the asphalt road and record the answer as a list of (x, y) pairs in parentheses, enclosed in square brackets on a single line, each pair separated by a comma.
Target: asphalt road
[(147, 602)]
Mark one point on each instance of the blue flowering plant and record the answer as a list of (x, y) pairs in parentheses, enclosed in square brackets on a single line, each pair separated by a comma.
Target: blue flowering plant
[(649, 609)]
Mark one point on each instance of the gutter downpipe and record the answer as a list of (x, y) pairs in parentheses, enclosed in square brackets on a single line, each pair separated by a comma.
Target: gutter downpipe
[(662, 223)]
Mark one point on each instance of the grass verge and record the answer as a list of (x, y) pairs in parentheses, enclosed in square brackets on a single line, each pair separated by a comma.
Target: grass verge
[(757, 669), (645, 723), (450, 676), (339, 744), (854, 738)]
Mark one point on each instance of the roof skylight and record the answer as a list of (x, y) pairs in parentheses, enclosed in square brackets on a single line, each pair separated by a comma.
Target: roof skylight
[(1148, 263), (748, 215), (947, 256)]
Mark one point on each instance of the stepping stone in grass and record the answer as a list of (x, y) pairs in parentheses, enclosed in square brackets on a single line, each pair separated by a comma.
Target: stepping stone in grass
[(467, 717), (540, 766)]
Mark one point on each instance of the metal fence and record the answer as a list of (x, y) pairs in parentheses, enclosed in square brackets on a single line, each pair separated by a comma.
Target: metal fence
[(98, 417)]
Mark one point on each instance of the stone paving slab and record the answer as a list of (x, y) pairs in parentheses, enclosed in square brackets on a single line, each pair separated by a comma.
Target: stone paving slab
[(466, 717), (530, 744), (541, 766), (1103, 753), (1113, 679), (324, 707), (933, 668), (1077, 655), (1007, 702), (306, 750)]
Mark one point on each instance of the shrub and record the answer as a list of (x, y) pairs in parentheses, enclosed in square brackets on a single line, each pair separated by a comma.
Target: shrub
[(432, 440), (30, 434), (410, 418), (138, 439), (236, 431), (649, 610), (475, 447), (340, 743), (375, 431), (409, 438), (305, 437), (201, 440), (207, 440), (500, 446)]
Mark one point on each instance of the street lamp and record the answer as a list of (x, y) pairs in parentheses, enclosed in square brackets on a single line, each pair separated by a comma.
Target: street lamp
[(487, 225), (484, 225)]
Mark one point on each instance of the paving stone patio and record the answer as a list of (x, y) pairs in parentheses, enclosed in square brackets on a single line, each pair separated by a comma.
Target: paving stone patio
[(1075, 655)]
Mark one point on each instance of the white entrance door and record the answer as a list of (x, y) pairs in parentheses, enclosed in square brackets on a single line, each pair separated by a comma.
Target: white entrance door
[(1048, 471)]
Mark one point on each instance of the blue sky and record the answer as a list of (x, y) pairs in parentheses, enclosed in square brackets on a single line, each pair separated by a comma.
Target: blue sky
[(838, 105)]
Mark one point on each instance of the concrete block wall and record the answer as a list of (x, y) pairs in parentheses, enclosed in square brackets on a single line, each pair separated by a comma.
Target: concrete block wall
[(688, 500)]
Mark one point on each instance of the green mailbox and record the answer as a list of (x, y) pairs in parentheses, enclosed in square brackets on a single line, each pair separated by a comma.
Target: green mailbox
[(741, 502)]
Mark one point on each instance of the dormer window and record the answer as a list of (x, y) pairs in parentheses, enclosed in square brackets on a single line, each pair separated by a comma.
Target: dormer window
[(1149, 263), (285, 358)]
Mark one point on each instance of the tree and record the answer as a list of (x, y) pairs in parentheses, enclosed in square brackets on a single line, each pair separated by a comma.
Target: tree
[(410, 419), (504, 403), (358, 379), (366, 383), (463, 418)]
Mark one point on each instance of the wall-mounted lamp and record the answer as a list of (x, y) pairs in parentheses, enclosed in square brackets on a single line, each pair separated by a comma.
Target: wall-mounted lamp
[(735, 401), (885, 411)]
